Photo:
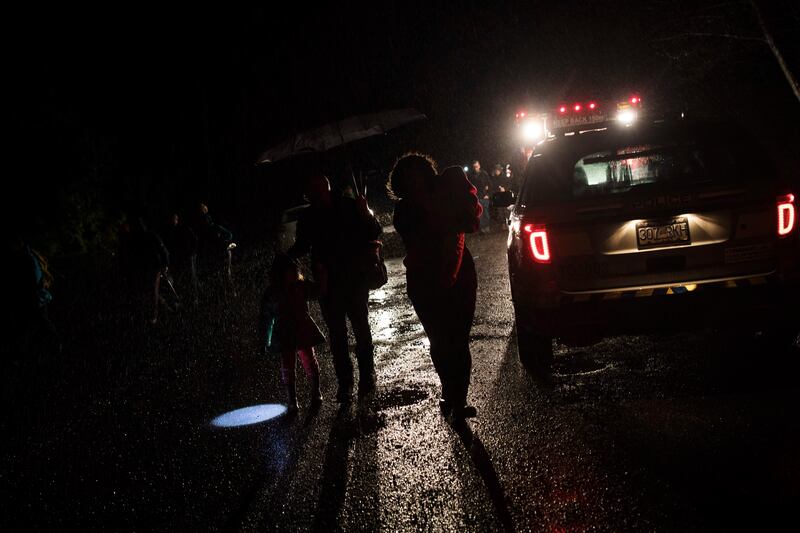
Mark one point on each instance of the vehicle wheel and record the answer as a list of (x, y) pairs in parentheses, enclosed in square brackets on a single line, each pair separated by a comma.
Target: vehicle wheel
[(535, 351)]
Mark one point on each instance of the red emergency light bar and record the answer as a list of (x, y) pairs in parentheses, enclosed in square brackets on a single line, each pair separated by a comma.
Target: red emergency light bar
[(577, 107), (580, 116), (592, 105)]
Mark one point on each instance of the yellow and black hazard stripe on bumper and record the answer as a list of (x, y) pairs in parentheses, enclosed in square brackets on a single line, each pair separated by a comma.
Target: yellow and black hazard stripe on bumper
[(671, 290)]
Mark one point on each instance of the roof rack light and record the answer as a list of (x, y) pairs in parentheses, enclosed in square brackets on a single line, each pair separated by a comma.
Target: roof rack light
[(626, 117)]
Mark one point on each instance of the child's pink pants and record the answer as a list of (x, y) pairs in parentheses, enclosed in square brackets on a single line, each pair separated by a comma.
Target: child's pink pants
[(289, 362)]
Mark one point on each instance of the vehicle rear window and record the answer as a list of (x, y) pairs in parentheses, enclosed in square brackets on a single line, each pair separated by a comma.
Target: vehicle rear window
[(618, 170), (616, 164)]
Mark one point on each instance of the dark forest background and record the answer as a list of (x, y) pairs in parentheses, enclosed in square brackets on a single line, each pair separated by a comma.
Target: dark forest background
[(144, 110)]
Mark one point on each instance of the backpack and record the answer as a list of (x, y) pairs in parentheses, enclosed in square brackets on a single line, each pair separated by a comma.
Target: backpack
[(371, 266)]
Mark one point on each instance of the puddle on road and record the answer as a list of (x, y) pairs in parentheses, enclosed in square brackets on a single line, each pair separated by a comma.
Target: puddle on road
[(387, 326), (377, 296), (383, 325), (397, 398)]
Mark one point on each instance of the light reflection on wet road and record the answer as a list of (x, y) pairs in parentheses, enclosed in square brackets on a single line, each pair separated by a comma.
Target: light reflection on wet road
[(627, 436), (636, 433)]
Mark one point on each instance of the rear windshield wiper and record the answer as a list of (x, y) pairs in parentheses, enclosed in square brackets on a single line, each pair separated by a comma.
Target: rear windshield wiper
[(633, 155)]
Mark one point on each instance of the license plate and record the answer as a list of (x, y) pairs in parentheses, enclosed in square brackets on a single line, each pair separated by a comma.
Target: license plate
[(653, 233)]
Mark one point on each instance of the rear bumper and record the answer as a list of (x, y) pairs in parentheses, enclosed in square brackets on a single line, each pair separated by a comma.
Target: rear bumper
[(752, 303)]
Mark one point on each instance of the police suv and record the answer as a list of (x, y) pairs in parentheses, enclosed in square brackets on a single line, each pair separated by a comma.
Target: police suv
[(629, 224)]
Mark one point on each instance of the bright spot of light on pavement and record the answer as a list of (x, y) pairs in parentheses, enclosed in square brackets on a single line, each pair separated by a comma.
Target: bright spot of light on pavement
[(247, 416), (377, 295)]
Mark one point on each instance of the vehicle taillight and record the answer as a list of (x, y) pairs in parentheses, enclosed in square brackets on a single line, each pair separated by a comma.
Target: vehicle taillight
[(592, 105), (562, 109), (577, 107), (786, 217), (539, 243)]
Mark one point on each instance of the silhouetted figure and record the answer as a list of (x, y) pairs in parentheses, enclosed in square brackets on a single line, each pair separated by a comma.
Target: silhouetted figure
[(480, 179), (500, 192), (514, 180), (337, 231), (31, 335), (287, 326), (580, 183), (498, 179), (145, 259), (181, 243), (442, 283), (215, 249)]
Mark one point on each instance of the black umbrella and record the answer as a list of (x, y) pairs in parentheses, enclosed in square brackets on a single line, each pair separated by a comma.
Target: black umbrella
[(340, 133)]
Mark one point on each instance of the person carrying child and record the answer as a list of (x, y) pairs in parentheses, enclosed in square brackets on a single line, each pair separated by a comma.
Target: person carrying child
[(432, 214), (287, 326)]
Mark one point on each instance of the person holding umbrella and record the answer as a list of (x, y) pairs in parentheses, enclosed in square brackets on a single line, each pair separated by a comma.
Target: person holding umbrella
[(336, 231)]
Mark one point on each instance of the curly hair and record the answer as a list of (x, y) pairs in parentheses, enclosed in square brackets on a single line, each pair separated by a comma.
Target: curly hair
[(404, 168)]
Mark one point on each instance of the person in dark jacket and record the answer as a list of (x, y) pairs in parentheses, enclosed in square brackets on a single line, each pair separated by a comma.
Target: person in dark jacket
[(501, 194), (29, 334), (337, 231), (432, 215), (480, 179), (181, 243), (145, 260), (288, 328), (215, 243)]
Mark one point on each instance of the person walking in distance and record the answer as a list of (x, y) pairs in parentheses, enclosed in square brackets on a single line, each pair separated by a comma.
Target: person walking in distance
[(432, 215), (181, 243), (480, 179), (146, 259), (335, 230)]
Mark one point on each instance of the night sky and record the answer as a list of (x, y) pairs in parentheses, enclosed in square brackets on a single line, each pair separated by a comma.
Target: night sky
[(156, 106)]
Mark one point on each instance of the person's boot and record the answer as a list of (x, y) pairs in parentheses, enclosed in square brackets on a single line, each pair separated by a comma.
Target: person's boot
[(316, 392), (465, 411), (345, 393), (445, 404), (445, 407), (291, 398), (367, 383)]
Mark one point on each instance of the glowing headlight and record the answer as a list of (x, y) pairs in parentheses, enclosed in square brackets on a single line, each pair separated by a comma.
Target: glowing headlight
[(532, 131), (626, 117)]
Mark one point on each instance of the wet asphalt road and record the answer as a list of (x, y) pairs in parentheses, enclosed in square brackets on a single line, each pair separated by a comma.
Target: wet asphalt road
[(671, 433), (685, 432)]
